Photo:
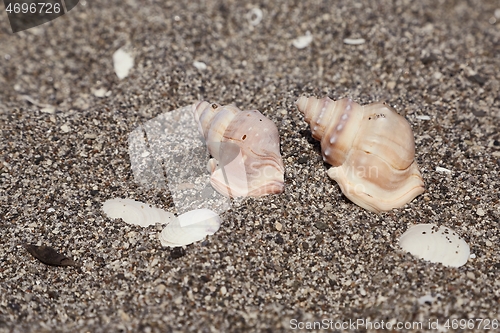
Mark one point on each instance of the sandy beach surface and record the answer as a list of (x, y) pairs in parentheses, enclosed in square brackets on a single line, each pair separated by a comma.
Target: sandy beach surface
[(301, 261)]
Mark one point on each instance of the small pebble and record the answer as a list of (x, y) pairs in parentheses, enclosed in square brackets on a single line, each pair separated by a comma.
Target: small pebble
[(437, 75), (391, 85), (65, 128), (354, 41), (480, 212), (443, 170), (320, 225), (278, 226), (200, 65), (48, 109)]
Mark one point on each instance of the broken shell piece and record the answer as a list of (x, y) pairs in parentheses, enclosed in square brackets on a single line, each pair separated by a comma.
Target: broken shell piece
[(435, 244), (190, 227), (122, 63), (354, 41), (255, 16), (200, 65), (136, 212), (443, 170), (48, 255), (303, 41)]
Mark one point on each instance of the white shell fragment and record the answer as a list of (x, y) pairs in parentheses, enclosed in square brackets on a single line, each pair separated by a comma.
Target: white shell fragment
[(101, 92), (190, 227), (65, 128), (122, 63), (200, 65), (443, 170), (255, 16), (435, 244), (354, 41), (423, 117), (303, 41), (136, 212), (428, 299)]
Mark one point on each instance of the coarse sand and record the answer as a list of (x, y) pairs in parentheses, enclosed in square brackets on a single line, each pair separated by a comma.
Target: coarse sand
[(301, 261)]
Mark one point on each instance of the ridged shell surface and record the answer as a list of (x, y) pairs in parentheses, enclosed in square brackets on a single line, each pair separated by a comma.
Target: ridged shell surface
[(245, 147), (371, 149), (435, 244), (190, 227), (136, 212)]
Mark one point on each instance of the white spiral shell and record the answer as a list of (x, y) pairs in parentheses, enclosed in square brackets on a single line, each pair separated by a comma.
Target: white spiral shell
[(246, 149), (371, 149)]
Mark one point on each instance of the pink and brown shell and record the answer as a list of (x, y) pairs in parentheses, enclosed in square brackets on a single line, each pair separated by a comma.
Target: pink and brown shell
[(245, 147), (371, 149)]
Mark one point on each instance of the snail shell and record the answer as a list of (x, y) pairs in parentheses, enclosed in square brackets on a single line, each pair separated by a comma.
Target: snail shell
[(245, 150), (371, 149)]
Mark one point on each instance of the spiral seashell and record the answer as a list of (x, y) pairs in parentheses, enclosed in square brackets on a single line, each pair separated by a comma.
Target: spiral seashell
[(371, 149), (245, 150)]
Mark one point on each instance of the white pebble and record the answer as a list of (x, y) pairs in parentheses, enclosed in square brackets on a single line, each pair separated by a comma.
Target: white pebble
[(428, 299), (354, 41), (48, 109), (303, 41), (123, 63), (480, 212), (437, 75), (65, 128), (101, 92), (444, 170), (200, 65), (423, 117)]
